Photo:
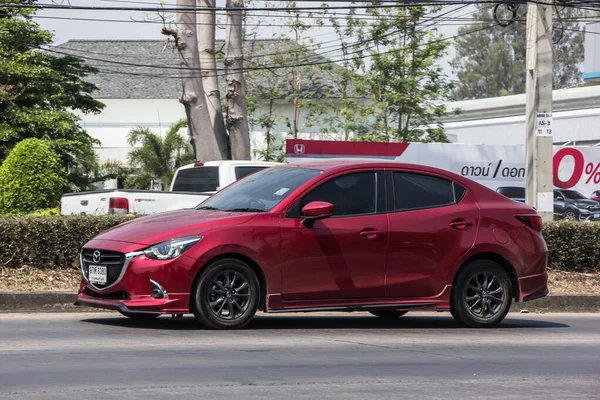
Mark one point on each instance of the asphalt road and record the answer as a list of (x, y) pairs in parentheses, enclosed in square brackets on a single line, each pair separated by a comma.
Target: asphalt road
[(316, 356)]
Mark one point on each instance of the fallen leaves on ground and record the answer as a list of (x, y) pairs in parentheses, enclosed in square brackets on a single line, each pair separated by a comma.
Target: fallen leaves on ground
[(26, 279)]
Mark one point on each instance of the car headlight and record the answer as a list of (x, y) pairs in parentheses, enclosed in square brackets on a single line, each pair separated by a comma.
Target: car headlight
[(582, 205), (171, 248)]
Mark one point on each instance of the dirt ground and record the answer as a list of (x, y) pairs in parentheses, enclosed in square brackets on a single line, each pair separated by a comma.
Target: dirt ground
[(30, 279)]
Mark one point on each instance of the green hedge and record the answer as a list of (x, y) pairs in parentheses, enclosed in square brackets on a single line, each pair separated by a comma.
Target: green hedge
[(573, 246), (55, 241), (49, 241)]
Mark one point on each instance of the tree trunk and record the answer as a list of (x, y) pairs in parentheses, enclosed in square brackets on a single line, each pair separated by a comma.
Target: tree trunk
[(237, 114), (203, 139), (206, 49)]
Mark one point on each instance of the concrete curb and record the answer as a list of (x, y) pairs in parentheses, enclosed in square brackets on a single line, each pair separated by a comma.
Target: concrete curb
[(24, 302)]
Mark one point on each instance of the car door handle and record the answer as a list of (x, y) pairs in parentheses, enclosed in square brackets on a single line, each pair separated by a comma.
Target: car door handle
[(460, 224), (371, 234)]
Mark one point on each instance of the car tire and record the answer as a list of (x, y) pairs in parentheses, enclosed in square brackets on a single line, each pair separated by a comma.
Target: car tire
[(140, 316), (572, 215), (482, 295), (226, 295), (388, 314)]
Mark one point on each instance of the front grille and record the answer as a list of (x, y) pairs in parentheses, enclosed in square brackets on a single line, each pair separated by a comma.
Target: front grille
[(112, 260), (121, 295)]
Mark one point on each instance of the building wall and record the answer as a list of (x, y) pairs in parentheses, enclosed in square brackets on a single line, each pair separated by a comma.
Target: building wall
[(113, 124), (501, 120)]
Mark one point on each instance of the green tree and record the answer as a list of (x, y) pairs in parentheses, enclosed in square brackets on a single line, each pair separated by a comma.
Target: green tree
[(157, 158), (491, 61), (31, 178), (39, 91), (396, 71)]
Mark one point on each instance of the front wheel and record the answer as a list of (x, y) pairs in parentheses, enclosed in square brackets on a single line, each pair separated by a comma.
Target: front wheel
[(388, 314), (482, 295), (226, 296), (571, 215)]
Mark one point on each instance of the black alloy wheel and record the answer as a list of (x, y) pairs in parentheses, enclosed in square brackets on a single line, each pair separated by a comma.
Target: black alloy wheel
[(226, 296), (482, 295)]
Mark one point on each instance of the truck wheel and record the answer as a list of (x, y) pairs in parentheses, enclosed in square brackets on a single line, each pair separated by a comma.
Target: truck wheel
[(482, 295), (388, 314), (226, 296)]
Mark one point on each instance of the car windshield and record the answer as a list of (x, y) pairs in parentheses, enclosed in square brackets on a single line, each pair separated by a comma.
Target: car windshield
[(260, 191), (512, 192), (573, 195)]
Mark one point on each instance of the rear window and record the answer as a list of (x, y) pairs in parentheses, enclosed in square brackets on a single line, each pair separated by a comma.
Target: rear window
[(512, 192), (241, 172), (197, 179)]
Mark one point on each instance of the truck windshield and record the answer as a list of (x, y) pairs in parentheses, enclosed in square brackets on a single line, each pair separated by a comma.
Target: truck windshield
[(260, 191), (197, 179)]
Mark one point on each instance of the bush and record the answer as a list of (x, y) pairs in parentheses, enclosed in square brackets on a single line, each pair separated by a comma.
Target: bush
[(55, 241), (573, 246), (46, 212), (31, 178), (49, 242)]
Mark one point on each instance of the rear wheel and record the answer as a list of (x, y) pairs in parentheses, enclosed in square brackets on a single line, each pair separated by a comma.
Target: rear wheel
[(388, 314), (226, 296), (482, 295), (140, 316)]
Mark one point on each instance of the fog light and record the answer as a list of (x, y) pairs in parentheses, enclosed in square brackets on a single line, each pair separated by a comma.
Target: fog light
[(158, 292)]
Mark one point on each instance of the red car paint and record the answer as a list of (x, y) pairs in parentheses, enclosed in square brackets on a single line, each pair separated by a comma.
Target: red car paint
[(407, 258), (596, 195)]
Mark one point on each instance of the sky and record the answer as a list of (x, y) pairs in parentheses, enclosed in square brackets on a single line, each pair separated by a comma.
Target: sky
[(144, 25)]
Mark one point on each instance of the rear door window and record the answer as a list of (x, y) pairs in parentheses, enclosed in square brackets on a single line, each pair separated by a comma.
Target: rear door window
[(417, 191)]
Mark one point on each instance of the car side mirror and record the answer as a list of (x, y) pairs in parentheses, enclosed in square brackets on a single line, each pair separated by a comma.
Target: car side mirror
[(314, 211)]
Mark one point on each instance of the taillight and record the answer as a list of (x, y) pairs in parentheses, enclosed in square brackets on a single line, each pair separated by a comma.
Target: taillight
[(118, 205), (532, 221)]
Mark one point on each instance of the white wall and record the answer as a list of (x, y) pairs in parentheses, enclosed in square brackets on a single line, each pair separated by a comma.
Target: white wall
[(501, 120), (113, 124)]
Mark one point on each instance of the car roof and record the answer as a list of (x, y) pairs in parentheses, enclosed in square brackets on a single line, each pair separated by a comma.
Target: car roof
[(332, 164)]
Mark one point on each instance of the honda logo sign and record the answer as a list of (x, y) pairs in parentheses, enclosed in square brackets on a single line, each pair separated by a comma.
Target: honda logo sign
[(299, 148)]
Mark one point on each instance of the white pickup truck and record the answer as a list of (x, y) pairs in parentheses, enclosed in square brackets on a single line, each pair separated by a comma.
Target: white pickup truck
[(191, 185)]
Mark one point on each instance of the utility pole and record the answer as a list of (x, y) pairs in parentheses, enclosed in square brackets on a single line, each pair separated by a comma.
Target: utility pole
[(538, 168)]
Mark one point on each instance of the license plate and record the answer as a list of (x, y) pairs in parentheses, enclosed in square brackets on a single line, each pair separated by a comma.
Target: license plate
[(97, 274)]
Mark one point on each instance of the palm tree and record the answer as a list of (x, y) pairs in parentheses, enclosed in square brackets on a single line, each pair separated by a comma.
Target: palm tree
[(157, 158)]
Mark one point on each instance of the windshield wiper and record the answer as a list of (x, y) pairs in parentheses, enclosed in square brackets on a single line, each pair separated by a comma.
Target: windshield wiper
[(245, 210), (208, 208)]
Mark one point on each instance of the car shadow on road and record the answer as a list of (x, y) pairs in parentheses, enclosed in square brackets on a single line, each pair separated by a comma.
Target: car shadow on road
[(304, 322)]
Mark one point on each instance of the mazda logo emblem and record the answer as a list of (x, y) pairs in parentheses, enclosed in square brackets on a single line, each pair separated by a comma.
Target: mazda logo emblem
[(97, 256), (299, 148)]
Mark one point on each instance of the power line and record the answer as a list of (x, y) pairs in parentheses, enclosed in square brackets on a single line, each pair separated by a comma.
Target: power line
[(407, 3)]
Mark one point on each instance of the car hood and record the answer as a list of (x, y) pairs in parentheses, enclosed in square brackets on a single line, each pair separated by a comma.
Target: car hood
[(158, 228), (585, 201)]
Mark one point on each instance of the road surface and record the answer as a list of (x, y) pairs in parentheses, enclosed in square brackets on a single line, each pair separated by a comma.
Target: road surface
[(299, 356)]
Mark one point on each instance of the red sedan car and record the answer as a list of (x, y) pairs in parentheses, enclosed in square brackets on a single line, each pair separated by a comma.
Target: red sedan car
[(345, 235)]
